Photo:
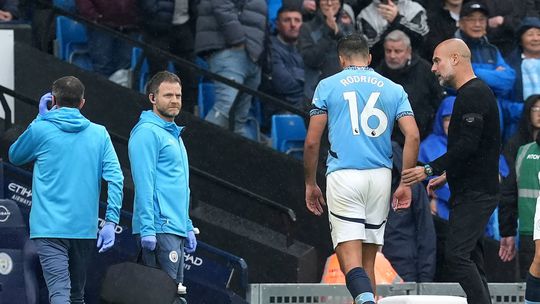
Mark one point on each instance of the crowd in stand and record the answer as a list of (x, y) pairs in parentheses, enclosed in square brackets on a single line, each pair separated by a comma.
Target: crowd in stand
[(286, 47)]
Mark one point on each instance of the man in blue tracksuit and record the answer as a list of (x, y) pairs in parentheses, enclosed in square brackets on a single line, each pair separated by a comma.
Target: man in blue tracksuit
[(71, 155), (160, 170)]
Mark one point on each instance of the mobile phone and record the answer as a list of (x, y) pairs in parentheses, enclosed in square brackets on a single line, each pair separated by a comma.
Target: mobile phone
[(384, 1)]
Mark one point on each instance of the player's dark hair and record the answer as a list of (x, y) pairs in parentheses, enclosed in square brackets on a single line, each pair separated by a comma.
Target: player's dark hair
[(152, 86), (353, 45), (68, 91)]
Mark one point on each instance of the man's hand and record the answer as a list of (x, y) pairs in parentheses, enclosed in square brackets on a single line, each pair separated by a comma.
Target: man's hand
[(507, 248), (412, 176), (496, 21), (434, 184), (191, 242), (388, 11), (149, 242), (314, 199), (5, 16), (44, 102), (106, 237), (310, 6), (402, 198)]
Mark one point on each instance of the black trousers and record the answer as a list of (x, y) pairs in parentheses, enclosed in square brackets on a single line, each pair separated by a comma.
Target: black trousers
[(464, 250)]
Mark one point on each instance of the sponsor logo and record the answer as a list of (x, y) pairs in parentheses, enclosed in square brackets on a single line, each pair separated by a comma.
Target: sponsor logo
[(533, 156), (20, 190), (20, 194), (173, 256), (6, 263), (191, 260), (4, 214)]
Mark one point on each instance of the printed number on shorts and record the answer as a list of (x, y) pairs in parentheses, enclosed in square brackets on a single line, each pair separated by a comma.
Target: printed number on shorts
[(368, 111)]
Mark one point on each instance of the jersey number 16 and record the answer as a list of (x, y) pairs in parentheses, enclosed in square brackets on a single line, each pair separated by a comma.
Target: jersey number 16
[(368, 111)]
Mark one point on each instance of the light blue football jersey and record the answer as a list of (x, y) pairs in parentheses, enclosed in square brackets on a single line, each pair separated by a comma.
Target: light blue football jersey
[(362, 107)]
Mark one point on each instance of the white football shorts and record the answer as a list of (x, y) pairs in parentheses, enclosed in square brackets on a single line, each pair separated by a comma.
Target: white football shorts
[(358, 204)]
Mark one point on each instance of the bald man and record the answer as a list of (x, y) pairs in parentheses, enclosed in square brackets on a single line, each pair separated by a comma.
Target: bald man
[(470, 166)]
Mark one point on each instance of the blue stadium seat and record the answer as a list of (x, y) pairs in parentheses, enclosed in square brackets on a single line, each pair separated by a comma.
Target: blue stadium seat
[(288, 134), (71, 38), (144, 69), (206, 98)]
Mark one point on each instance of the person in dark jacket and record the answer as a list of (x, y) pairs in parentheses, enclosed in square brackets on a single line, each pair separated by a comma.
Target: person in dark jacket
[(287, 62), (107, 52), (170, 25), (405, 67), (9, 10), (409, 238), (230, 35), (443, 24)]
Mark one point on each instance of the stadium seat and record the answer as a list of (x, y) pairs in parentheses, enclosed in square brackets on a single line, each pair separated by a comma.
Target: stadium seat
[(71, 38), (144, 69), (288, 134), (206, 97)]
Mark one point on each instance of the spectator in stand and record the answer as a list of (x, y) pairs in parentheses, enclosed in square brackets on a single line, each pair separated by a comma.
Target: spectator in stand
[(9, 10), (529, 128), (231, 35), (404, 67), (525, 60), (348, 15), (306, 7), (443, 23), (487, 61), (318, 43), (107, 52), (287, 63), (409, 237), (170, 26), (383, 16)]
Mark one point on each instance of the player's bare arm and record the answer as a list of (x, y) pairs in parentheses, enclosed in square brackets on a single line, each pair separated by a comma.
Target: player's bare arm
[(314, 197), (407, 124)]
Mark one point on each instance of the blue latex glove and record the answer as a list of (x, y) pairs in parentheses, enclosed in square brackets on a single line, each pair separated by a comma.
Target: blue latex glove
[(43, 103), (149, 242), (191, 242), (106, 237)]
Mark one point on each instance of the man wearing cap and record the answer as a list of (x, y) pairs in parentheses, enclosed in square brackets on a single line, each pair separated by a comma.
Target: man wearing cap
[(487, 61)]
